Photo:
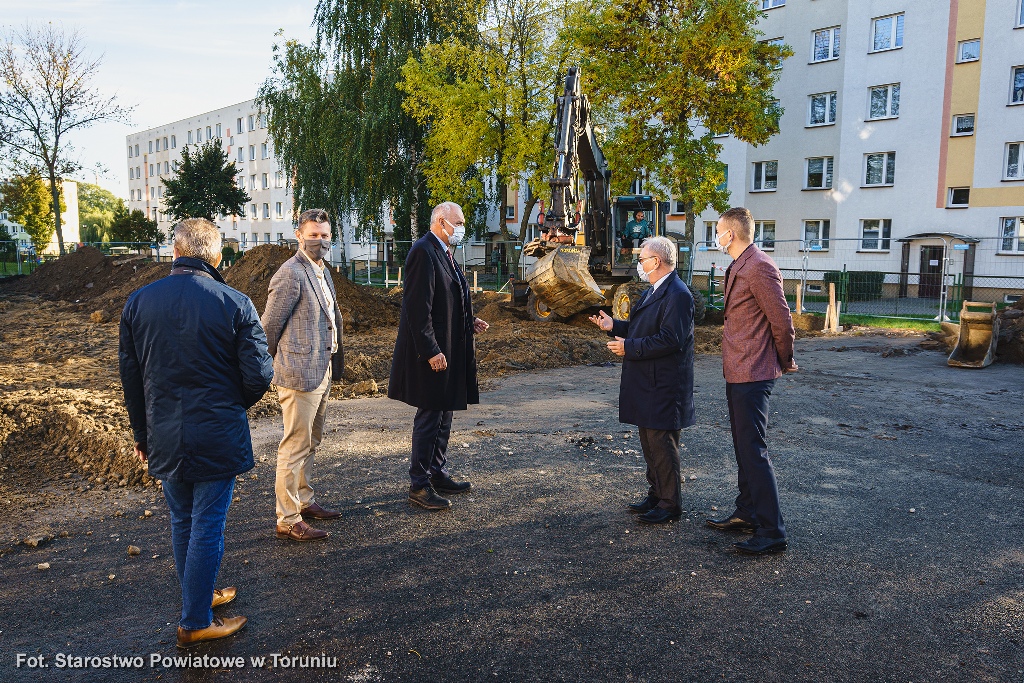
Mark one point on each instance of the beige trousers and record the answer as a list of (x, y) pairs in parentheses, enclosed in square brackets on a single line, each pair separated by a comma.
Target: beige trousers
[(303, 413)]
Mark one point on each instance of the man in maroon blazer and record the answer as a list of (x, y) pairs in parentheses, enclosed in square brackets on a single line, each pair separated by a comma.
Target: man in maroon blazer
[(757, 348)]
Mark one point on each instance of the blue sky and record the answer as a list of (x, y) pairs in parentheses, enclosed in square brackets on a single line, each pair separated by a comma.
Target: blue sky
[(168, 60)]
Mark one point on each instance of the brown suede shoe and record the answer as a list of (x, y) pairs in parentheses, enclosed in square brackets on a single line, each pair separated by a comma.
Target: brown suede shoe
[(316, 512), (300, 531), (220, 628), (222, 596)]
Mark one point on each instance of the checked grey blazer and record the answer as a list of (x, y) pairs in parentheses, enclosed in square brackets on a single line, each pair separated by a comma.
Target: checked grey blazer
[(297, 325)]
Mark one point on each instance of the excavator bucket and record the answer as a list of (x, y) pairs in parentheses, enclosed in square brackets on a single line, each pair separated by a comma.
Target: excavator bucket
[(563, 281), (979, 334)]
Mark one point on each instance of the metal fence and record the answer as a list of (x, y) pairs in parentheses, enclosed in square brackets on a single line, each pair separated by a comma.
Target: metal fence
[(923, 277)]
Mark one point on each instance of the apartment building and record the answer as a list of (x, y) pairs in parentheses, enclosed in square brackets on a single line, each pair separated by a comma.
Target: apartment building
[(154, 154), (901, 140)]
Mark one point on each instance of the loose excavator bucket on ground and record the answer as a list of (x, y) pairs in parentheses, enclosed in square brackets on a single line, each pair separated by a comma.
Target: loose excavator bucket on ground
[(562, 279), (979, 334)]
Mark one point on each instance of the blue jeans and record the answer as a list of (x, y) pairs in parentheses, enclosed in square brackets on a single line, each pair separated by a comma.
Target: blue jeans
[(198, 514)]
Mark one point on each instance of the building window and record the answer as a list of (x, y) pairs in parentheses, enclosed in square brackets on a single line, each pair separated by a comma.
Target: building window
[(1017, 85), (771, 4), (764, 235), (160, 192), (963, 124), (241, 182), (780, 42), (218, 131), (174, 142), (1020, 14), (825, 44), (136, 150), (255, 239), (131, 173), (209, 133), (887, 33), (150, 146), (679, 207), (880, 168), (252, 182), (167, 167), (821, 109), (165, 144), (260, 121), (819, 173), (266, 210), (816, 235), (266, 181), (252, 211), (129, 151), (279, 179), (709, 234), (1012, 234), (958, 198), (1014, 168), (266, 237), (174, 165), (238, 126), (875, 234), (279, 212), (252, 152), (263, 151), (199, 135), (190, 137), (968, 51), (241, 154), (884, 101), (138, 171), (151, 173), (251, 119), (152, 192), (766, 176)]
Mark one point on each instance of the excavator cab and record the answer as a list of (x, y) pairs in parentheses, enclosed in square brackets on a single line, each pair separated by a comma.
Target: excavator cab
[(634, 218)]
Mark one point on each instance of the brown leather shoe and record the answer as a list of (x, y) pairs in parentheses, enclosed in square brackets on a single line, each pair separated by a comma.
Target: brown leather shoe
[(222, 596), (220, 628), (316, 512), (300, 531)]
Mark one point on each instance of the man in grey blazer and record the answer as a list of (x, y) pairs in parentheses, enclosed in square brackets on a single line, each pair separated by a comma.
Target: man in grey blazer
[(303, 325)]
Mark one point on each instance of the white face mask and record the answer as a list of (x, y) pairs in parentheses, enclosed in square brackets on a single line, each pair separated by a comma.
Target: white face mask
[(644, 275), (457, 236), (720, 245)]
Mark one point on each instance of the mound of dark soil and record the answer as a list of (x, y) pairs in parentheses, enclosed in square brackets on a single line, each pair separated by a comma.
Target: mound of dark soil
[(89, 276), (362, 307), (1011, 333)]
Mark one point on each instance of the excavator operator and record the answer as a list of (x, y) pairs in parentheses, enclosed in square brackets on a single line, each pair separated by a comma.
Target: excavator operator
[(634, 232)]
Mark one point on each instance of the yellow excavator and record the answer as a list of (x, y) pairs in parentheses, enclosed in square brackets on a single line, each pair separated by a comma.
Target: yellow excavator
[(586, 255)]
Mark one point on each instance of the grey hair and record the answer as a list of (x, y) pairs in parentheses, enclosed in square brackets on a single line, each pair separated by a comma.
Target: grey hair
[(442, 210), (197, 238), (663, 248)]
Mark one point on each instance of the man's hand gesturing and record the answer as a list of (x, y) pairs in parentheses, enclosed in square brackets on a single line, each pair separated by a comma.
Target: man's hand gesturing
[(602, 320)]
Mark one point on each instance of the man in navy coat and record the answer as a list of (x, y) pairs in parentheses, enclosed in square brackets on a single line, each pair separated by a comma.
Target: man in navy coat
[(656, 392), (434, 365), (193, 357)]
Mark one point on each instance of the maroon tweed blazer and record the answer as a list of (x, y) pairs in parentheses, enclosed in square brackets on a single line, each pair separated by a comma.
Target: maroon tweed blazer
[(758, 335)]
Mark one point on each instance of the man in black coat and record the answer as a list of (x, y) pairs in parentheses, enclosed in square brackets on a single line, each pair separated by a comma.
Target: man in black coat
[(434, 365), (656, 391), (193, 357)]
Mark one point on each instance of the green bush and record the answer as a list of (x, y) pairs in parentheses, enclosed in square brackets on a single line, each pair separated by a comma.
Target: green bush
[(860, 285)]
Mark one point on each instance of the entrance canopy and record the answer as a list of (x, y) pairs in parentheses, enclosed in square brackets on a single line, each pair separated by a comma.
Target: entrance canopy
[(939, 235)]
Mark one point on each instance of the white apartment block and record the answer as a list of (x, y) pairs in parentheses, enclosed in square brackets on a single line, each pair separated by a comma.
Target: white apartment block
[(901, 144), (154, 154)]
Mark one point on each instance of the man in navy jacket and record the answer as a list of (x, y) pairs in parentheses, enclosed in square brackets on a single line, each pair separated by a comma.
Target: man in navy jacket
[(193, 357), (656, 391)]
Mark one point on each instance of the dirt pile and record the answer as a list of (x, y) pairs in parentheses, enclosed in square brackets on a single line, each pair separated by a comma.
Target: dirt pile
[(89, 276), (1011, 334), (363, 308)]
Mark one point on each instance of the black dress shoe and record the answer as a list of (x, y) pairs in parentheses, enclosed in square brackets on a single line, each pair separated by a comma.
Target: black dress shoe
[(660, 516), (731, 524), (426, 498), (442, 483), (645, 505), (761, 545)]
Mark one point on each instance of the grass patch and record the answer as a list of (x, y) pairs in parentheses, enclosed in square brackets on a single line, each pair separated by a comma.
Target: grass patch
[(919, 325)]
